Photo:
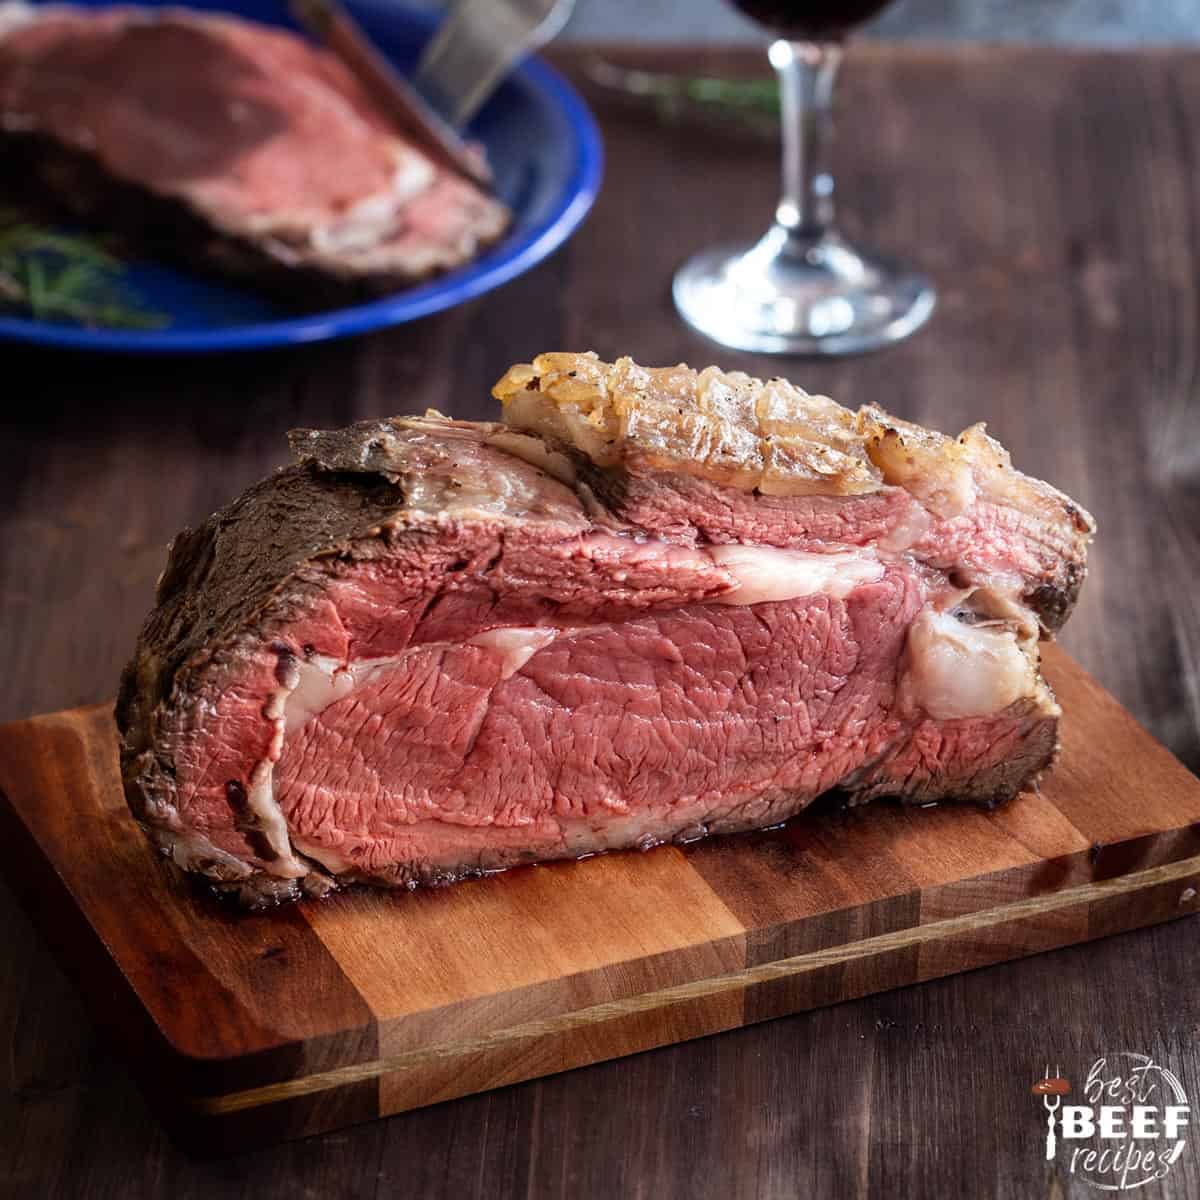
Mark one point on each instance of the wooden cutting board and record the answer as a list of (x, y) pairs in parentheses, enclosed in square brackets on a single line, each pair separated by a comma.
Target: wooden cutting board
[(251, 1028)]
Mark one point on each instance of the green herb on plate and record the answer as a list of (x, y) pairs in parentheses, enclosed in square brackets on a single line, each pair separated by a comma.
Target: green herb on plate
[(53, 276), (752, 103)]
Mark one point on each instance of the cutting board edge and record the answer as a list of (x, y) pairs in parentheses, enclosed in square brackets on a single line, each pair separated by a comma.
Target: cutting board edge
[(224, 1123), (75, 944), (206, 1069), (112, 997)]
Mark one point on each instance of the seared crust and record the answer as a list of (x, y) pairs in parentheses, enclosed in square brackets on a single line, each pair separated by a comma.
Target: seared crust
[(220, 578)]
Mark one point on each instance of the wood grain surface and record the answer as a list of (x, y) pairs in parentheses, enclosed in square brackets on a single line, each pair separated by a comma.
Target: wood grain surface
[(1053, 196)]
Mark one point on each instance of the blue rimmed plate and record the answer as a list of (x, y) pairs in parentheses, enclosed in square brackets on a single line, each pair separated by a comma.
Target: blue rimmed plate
[(544, 149)]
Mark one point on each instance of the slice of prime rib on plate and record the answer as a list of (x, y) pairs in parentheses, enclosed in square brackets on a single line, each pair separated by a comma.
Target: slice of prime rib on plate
[(648, 606), (234, 147)]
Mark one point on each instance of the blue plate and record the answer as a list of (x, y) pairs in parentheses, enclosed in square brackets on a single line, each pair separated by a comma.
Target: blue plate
[(544, 149)]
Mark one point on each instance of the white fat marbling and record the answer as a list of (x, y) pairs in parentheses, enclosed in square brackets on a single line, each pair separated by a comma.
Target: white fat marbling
[(516, 645), (309, 688), (331, 860), (260, 795), (365, 224), (322, 681), (955, 670), (908, 531), (765, 573)]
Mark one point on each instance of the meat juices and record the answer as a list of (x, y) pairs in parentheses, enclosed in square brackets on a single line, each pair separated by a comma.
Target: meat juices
[(650, 605)]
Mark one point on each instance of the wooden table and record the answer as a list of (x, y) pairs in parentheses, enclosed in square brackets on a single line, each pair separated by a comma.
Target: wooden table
[(1054, 197)]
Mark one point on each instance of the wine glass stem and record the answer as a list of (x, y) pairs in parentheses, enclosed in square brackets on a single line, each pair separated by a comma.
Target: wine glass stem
[(806, 73)]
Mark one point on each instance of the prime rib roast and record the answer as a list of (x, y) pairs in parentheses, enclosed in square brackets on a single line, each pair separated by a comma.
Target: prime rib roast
[(648, 606), (229, 146)]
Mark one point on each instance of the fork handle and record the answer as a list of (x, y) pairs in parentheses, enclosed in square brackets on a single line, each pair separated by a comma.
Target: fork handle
[(331, 24), (466, 59)]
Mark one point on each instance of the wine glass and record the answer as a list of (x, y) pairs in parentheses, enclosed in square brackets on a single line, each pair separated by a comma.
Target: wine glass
[(802, 288)]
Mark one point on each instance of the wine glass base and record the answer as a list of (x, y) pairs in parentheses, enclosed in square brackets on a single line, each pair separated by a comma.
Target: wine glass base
[(791, 295)]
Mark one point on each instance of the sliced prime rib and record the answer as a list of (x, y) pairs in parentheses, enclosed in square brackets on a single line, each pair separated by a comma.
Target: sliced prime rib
[(648, 606), (233, 147)]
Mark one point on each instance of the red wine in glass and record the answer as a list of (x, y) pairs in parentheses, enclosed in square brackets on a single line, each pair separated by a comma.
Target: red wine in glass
[(811, 20), (802, 288)]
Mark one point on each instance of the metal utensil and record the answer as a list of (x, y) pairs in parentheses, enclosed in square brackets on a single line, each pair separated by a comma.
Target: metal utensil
[(475, 46), (333, 26)]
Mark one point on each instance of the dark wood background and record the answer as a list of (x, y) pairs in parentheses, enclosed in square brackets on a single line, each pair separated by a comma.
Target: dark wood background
[(1054, 197)]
